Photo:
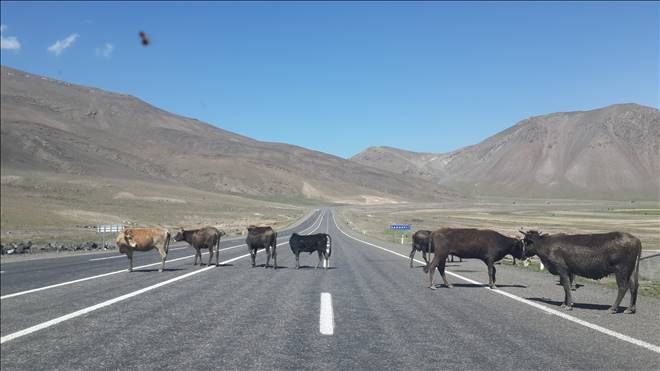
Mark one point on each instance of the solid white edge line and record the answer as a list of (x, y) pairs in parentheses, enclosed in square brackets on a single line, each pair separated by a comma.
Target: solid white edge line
[(20, 293), (106, 303), (123, 255), (326, 315), (620, 336)]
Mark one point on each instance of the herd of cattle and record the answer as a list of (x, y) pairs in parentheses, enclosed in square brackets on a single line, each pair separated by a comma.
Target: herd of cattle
[(258, 238), (588, 255)]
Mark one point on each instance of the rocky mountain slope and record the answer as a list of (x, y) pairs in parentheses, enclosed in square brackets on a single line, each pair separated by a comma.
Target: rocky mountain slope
[(611, 152)]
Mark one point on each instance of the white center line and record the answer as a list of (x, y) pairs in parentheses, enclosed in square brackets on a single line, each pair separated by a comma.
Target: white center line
[(326, 318), (620, 336)]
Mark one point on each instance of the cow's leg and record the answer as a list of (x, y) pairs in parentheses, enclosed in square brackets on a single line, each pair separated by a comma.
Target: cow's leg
[(196, 254), (622, 282), (298, 260), (412, 256), (275, 257), (163, 255), (129, 254), (491, 272), (565, 281), (320, 258), (431, 268), (573, 287), (210, 254), (253, 255), (267, 257), (634, 285), (426, 259)]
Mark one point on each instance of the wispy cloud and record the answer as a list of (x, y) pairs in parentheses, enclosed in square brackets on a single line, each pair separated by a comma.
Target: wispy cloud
[(105, 51), (9, 42), (60, 45)]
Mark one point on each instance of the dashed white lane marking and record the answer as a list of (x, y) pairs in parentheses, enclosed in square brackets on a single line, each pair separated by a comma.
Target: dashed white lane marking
[(20, 293), (106, 303), (620, 336), (327, 317)]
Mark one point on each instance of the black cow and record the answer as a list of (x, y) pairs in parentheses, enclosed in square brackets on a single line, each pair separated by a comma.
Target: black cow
[(262, 238), (320, 242), (420, 242), (484, 244), (592, 256), (202, 238)]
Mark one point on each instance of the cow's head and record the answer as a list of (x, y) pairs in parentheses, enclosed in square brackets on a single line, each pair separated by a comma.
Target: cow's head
[(130, 238), (251, 227), (178, 235), (530, 241), (221, 233)]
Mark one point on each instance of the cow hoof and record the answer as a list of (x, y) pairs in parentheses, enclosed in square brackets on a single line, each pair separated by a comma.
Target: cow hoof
[(612, 310), (629, 311), (432, 287), (566, 307), (449, 285)]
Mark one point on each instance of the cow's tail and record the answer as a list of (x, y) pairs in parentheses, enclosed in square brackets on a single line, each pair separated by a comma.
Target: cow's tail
[(217, 250), (167, 242), (328, 251)]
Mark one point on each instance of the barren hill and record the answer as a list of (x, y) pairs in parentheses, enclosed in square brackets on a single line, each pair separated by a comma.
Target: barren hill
[(612, 152), (54, 126)]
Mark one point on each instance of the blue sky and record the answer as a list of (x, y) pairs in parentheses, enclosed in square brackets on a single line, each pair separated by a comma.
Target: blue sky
[(339, 77)]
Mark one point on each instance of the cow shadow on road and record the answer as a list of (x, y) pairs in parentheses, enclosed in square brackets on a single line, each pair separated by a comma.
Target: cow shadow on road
[(156, 270), (484, 285), (576, 305), (313, 267)]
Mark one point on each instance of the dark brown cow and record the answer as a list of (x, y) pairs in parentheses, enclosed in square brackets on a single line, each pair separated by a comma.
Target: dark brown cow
[(484, 244), (202, 238), (420, 242), (262, 238), (592, 256), (143, 239)]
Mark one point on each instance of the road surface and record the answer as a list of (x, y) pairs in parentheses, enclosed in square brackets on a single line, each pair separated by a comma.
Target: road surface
[(369, 310)]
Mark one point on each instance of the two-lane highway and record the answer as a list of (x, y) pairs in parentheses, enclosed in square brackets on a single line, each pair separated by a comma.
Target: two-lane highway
[(381, 316)]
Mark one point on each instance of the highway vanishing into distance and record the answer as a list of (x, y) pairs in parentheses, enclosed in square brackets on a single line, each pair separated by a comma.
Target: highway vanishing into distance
[(369, 310)]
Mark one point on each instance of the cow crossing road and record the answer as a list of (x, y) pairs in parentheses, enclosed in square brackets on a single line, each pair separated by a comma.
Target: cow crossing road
[(238, 317)]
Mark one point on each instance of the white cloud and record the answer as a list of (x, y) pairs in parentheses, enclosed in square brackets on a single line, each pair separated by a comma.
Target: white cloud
[(60, 45), (9, 42), (105, 51)]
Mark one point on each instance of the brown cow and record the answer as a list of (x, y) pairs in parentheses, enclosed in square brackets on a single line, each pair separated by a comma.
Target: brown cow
[(262, 238), (202, 238), (483, 244), (143, 239)]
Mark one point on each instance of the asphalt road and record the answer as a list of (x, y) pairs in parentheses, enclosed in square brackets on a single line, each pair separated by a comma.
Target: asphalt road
[(378, 310)]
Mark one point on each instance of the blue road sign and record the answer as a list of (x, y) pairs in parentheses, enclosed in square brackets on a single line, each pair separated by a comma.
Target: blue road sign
[(400, 227)]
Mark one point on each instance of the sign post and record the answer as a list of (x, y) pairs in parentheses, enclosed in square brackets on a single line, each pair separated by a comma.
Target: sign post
[(401, 227), (108, 228)]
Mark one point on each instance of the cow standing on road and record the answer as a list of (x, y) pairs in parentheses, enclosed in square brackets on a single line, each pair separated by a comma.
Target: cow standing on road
[(262, 238), (483, 244), (202, 238), (320, 242), (589, 255), (420, 242), (143, 239)]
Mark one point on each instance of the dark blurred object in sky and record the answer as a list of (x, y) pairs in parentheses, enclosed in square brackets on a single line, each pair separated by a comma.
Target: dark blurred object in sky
[(145, 39)]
